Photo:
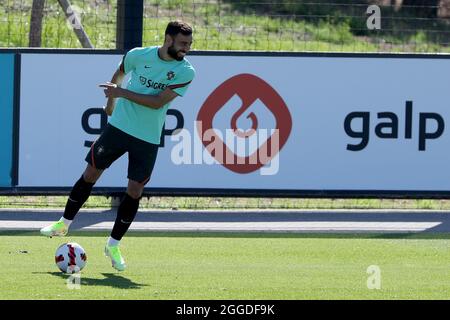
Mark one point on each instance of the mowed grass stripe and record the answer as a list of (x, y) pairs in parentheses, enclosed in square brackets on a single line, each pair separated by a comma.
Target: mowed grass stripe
[(221, 266)]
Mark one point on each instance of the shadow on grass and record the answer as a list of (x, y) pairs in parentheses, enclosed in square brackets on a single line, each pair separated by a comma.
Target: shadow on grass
[(265, 235), (111, 280)]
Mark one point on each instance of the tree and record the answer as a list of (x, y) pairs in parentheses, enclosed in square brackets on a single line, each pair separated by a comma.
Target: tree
[(37, 13)]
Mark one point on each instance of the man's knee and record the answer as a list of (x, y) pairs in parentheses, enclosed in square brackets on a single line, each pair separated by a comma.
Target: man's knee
[(135, 189), (91, 174)]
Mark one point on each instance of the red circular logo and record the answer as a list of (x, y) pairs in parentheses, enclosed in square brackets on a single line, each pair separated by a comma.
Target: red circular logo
[(249, 88)]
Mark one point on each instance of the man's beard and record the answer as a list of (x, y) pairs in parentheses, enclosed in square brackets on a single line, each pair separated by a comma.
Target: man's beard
[(174, 53)]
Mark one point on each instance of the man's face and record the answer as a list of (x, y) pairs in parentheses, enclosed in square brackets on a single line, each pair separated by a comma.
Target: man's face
[(180, 46)]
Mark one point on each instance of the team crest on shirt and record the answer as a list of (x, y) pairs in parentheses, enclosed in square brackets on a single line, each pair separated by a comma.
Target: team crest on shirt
[(170, 75)]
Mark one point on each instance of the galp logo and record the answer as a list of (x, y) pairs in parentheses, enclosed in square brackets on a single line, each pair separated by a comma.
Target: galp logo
[(249, 89)]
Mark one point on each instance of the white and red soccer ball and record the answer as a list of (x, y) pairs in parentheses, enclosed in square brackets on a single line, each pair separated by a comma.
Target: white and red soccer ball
[(70, 257)]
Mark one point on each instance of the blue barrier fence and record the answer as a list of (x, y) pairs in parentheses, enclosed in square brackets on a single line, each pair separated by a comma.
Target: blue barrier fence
[(6, 118)]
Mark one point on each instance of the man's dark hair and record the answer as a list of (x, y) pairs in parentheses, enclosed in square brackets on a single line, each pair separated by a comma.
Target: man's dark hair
[(176, 27)]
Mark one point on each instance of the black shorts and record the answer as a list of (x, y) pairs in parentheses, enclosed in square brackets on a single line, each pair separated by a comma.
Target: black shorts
[(113, 143)]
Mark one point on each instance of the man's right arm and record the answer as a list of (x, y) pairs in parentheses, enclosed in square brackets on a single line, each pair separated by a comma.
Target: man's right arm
[(116, 79)]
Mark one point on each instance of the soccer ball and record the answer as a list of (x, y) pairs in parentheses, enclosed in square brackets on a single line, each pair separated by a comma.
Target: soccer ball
[(70, 257)]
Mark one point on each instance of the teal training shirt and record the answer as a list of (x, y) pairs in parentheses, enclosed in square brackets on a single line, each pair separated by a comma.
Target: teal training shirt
[(149, 75)]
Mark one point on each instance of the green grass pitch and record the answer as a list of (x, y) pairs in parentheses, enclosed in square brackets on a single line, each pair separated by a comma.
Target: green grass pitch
[(231, 266)]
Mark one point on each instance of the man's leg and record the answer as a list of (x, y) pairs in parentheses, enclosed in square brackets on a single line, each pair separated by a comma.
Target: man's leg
[(127, 209), (78, 196), (142, 158), (125, 216), (81, 192), (111, 145)]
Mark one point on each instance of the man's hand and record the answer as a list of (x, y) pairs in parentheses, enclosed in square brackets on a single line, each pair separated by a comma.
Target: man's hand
[(157, 101), (109, 108), (112, 90)]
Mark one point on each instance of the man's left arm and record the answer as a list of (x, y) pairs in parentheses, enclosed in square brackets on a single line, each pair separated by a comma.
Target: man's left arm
[(175, 89), (146, 100)]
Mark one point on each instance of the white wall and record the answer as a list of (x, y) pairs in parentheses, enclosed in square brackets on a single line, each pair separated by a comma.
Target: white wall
[(319, 93)]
